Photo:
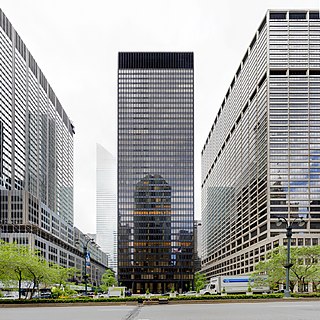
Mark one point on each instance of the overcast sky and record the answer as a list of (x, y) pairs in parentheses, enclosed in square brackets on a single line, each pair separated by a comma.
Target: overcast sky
[(75, 43)]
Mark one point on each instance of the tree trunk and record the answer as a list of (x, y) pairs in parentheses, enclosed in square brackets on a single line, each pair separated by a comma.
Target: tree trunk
[(34, 287), (20, 281)]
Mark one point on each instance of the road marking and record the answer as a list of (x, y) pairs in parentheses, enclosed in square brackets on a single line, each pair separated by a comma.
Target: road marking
[(133, 313)]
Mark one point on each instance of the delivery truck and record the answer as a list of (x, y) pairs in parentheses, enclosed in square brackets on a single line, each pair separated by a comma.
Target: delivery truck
[(116, 292), (233, 284)]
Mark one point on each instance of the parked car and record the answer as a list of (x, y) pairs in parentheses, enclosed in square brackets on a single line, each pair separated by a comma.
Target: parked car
[(279, 291), (10, 296), (42, 295), (190, 293), (91, 294), (170, 294), (103, 295)]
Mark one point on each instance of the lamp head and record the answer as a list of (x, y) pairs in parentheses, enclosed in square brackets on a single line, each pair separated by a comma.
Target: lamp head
[(302, 222), (279, 222)]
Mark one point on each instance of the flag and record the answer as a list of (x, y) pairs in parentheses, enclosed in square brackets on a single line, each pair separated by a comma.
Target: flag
[(88, 264)]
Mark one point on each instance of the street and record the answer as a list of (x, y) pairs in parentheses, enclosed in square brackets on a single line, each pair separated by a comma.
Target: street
[(282, 310)]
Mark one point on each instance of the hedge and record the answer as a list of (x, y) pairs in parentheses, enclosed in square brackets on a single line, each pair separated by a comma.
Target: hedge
[(230, 297), (306, 295), (139, 298)]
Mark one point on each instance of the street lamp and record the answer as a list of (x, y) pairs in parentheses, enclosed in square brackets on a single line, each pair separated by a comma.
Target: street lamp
[(288, 265), (85, 254)]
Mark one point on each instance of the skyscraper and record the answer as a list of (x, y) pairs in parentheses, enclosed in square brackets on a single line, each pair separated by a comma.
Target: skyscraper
[(261, 159), (36, 161), (36, 133), (106, 204), (155, 170)]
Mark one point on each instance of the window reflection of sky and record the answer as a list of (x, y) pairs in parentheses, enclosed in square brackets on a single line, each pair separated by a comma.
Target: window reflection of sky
[(299, 183)]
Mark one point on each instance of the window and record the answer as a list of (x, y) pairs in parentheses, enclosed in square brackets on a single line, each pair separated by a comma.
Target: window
[(297, 15), (314, 15), (278, 15)]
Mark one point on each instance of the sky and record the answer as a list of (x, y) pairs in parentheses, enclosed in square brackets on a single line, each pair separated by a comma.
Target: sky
[(76, 45)]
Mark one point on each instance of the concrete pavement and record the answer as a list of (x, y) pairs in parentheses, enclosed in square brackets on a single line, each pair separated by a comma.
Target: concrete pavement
[(280, 310)]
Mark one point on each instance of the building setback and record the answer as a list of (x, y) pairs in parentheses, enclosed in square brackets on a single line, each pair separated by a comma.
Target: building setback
[(261, 159), (155, 171), (36, 161), (106, 203)]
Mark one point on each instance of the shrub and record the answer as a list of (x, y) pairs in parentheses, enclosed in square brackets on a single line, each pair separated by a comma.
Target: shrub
[(306, 295), (136, 298)]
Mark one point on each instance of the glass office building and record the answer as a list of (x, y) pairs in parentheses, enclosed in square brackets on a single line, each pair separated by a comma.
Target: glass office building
[(155, 171), (106, 204), (261, 159), (36, 134), (36, 161)]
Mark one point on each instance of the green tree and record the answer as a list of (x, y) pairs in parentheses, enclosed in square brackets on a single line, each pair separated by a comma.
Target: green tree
[(306, 267), (272, 266), (61, 275), (199, 281), (107, 280), (39, 270), (20, 263), (14, 263)]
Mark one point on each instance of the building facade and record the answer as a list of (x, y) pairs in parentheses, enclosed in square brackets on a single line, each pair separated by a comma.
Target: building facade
[(155, 171), (106, 205), (36, 159), (261, 159), (197, 245)]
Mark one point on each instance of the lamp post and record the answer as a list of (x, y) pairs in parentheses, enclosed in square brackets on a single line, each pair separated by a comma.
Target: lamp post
[(181, 287), (288, 265), (85, 254)]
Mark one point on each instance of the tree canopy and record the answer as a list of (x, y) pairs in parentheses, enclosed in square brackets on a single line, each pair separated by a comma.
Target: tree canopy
[(199, 281), (108, 280), (19, 263), (306, 266)]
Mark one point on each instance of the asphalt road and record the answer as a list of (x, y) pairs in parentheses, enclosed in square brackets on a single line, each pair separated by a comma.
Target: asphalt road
[(292, 310)]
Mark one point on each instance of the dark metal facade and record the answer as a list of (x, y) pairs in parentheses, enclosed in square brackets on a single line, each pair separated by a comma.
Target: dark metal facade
[(155, 171)]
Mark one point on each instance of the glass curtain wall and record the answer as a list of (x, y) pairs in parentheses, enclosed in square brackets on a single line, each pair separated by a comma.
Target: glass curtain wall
[(155, 171)]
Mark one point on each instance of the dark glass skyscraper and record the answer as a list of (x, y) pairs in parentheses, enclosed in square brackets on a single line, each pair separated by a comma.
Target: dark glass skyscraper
[(155, 170)]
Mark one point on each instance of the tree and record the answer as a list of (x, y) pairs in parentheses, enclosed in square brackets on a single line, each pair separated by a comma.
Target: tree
[(306, 267), (199, 281), (272, 266), (108, 279), (38, 270), (14, 263), (20, 263), (61, 275)]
